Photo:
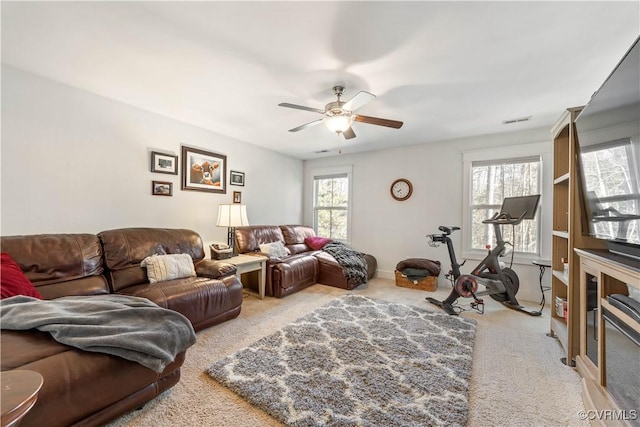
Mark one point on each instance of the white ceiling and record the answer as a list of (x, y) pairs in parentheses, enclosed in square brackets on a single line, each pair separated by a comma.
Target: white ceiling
[(447, 69)]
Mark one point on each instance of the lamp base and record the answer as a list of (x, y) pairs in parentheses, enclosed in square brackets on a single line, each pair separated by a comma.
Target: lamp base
[(231, 241)]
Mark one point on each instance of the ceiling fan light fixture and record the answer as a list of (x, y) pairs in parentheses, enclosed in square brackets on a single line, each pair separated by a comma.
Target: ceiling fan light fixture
[(338, 115), (338, 123)]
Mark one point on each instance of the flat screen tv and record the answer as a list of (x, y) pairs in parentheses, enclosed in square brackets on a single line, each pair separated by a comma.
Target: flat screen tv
[(608, 131)]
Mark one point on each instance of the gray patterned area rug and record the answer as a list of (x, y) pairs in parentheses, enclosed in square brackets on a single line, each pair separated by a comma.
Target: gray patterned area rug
[(358, 361)]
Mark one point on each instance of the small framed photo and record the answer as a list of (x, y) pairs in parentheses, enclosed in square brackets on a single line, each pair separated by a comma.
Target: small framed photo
[(161, 188), (203, 170), (164, 163), (237, 197), (236, 178)]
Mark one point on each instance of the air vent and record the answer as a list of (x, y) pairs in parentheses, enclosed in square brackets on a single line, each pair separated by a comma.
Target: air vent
[(518, 120)]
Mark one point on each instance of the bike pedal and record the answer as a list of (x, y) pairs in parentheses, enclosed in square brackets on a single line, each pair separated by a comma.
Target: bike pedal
[(478, 305)]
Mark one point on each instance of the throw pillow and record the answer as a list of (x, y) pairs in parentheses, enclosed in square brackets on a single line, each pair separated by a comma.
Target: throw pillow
[(274, 249), (316, 242), (13, 281), (168, 267)]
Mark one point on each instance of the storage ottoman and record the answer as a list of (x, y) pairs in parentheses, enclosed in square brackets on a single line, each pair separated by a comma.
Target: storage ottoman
[(418, 273)]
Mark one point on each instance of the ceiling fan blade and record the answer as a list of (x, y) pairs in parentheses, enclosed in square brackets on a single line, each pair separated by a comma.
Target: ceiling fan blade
[(306, 125), (349, 133), (301, 107), (359, 100), (380, 122)]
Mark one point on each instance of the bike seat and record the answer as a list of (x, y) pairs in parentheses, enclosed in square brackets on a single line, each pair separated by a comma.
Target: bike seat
[(448, 230)]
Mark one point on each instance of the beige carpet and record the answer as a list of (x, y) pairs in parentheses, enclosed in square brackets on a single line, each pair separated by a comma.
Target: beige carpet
[(517, 377)]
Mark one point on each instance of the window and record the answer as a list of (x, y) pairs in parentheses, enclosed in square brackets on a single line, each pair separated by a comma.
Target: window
[(490, 175), (331, 206), (491, 182)]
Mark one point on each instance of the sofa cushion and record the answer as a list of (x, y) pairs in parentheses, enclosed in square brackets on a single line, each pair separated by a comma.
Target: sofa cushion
[(51, 258), (294, 236), (249, 238), (205, 302), (125, 248), (168, 267), (13, 281), (59, 264)]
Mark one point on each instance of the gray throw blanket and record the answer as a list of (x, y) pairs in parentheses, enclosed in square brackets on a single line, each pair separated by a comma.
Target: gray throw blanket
[(133, 328), (352, 262)]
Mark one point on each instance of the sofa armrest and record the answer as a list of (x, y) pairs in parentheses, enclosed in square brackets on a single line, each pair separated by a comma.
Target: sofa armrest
[(214, 269)]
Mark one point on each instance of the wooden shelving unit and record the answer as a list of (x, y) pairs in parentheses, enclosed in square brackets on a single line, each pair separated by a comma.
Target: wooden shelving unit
[(567, 235)]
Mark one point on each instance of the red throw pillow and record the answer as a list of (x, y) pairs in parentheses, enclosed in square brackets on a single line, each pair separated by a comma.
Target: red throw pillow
[(316, 242), (13, 281)]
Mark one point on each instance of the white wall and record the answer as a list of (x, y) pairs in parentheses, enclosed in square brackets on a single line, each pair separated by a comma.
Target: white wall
[(74, 162), (393, 231)]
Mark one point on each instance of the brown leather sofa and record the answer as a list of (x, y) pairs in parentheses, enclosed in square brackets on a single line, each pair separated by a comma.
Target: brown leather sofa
[(303, 268), (86, 388), (203, 301)]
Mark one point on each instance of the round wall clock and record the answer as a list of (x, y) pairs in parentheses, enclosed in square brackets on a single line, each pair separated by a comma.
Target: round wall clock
[(401, 189)]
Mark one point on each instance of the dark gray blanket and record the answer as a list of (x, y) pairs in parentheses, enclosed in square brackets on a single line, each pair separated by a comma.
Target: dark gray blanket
[(352, 262), (133, 328)]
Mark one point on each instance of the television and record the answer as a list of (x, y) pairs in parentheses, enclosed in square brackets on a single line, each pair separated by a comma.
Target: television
[(608, 134)]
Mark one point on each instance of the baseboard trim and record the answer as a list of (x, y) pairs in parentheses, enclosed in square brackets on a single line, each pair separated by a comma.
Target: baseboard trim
[(386, 274)]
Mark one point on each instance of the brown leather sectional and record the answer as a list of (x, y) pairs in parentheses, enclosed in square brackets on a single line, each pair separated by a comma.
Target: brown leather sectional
[(303, 267), (85, 388)]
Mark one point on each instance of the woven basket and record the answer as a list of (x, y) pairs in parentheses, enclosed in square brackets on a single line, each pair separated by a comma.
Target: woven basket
[(429, 283)]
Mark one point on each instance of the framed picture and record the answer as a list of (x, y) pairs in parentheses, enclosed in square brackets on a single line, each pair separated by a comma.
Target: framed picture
[(203, 170), (236, 178), (164, 163), (161, 188), (237, 197)]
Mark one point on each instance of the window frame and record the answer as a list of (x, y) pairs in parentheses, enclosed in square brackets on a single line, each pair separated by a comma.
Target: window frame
[(338, 171), (504, 154)]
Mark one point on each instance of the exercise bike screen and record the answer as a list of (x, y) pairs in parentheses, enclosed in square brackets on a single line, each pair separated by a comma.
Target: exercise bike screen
[(516, 206)]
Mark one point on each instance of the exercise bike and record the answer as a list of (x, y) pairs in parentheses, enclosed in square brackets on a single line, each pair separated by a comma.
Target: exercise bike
[(501, 283)]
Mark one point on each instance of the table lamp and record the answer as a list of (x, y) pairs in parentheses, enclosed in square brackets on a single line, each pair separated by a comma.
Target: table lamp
[(232, 216)]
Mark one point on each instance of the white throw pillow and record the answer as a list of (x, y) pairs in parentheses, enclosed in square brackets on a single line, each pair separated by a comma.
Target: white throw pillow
[(274, 249), (168, 267)]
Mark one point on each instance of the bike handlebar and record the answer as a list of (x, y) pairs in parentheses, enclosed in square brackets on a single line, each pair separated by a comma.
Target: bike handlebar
[(504, 219)]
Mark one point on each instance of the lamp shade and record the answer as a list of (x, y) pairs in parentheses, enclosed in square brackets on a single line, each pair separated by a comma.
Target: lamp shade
[(232, 216)]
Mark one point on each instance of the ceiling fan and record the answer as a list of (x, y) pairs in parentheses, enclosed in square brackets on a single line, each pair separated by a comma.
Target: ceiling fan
[(338, 115)]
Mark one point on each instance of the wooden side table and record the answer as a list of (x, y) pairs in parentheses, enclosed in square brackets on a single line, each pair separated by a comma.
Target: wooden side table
[(19, 393), (248, 263)]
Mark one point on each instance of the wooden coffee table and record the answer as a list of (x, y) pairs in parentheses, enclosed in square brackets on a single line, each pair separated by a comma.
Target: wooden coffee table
[(248, 263), (19, 393)]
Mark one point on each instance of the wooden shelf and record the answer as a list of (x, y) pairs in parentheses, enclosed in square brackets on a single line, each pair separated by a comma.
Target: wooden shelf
[(563, 234), (561, 179), (561, 277)]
